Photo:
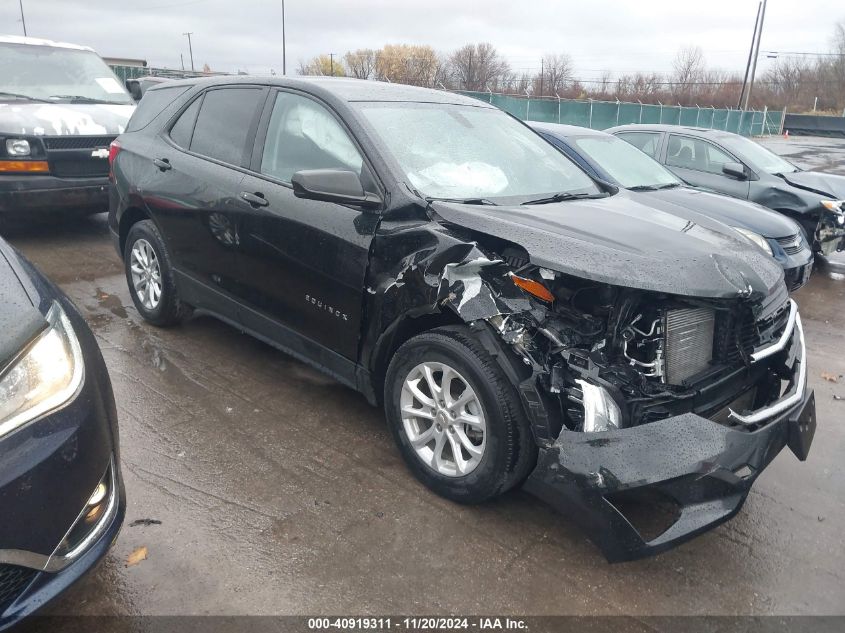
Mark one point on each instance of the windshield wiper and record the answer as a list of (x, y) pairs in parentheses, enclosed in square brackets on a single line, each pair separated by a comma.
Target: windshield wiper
[(83, 99), (668, 185), (643, 188), (482, 201), (565, 196), (16, 95)]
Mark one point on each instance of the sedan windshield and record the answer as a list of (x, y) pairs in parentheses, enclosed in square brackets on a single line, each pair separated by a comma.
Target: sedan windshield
[(467, 152), (628, 166), (50, 73), (757, 156)]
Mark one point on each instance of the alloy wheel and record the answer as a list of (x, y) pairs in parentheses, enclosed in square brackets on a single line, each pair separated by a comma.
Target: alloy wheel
[(443, 419), (146, 274)]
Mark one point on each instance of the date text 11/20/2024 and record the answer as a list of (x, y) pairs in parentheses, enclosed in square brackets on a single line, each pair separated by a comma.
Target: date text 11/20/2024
[(418, 623)]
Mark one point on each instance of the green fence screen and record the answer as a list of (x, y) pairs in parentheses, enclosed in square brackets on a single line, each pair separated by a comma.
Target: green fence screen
[(601, 115)]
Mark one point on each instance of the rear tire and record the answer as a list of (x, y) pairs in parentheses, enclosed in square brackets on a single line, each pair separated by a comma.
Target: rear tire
[(495, 452), (149, 275)]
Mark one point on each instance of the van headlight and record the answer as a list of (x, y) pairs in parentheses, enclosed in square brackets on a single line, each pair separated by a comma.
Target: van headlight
[(755, 238), (18, 147), (46, 374)]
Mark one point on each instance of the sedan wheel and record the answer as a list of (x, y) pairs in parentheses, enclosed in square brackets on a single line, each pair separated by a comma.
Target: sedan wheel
[(443, 419)]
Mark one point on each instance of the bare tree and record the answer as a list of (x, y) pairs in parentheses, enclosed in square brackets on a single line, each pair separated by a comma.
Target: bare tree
[(557, 73), (688, 68), (477, 67), (322, 65), (361, 63), (408, 64)]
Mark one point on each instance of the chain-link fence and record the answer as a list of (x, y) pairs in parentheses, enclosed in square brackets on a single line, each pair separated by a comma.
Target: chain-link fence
[(134, 72), (600, 115)]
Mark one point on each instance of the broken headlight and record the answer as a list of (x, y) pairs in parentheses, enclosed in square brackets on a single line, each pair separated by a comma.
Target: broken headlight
[(44, 376), (837, 207), (601, 413)]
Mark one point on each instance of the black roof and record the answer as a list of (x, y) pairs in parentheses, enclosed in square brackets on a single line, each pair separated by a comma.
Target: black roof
[(342, 88)]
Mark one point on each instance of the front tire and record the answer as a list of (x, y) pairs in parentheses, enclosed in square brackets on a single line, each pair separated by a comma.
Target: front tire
[(456, 418), (149, 275)]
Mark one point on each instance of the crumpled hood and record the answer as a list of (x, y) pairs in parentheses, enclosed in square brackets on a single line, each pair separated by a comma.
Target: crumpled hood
[(620, 241), (727, 210), (826, 184), (20, 319), (63, 119)]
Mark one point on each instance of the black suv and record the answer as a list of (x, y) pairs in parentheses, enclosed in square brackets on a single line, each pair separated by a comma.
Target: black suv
[(518, 320)]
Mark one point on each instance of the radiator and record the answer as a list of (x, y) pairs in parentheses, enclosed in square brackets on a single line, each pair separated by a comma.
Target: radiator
[(689, 343)]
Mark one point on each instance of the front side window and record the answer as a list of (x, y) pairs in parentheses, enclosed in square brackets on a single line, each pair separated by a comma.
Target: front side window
[(223, 123), (627, 165), (758, 157), (648, 142), (694, 153), (462, 151), (57, 74), (302, 134)]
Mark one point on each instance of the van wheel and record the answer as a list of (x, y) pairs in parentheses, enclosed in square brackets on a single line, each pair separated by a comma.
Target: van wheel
[(456, 418), (150, 276)]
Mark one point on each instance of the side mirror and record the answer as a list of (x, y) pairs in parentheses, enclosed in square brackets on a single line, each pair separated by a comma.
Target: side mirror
[(134, 88), (735, 170), (333, 185)]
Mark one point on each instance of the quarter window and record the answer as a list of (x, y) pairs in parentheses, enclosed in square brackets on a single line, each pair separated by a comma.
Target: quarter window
[(302, 134), (223, 123), (647, 142), (183, 129), (694, 153)]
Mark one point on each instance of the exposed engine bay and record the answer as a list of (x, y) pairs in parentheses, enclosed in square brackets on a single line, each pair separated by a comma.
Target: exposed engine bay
[(617, 357)]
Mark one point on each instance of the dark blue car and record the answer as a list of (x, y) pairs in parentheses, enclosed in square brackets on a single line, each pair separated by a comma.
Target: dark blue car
[(61, 495), (613, 160)]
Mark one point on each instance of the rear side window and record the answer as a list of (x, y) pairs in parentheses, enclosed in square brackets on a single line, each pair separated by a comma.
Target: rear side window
[(223, 123), (152, 104), (647, 142), (183, 129)]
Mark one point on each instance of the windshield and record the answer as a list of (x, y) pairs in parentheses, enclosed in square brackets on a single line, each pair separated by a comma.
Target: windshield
[(758, 157), (57, 74), (627, 165), (462, 152)]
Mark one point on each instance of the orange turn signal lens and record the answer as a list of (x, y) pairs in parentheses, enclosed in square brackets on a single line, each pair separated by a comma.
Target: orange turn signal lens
[(534, 288), (24, 166)]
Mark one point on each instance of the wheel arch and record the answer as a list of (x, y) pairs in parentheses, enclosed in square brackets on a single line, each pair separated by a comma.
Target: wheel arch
[(131, 216), (403, 329)]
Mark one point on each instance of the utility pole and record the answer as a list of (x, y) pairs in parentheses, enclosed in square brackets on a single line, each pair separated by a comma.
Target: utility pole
[(284, 52), (182, 59), (23, 21), (750, 56), (190, 48), (542, 72), (331, 64), (756, 55)]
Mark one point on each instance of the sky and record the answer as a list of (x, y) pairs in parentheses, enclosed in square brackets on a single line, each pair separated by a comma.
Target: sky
[(600, 35)]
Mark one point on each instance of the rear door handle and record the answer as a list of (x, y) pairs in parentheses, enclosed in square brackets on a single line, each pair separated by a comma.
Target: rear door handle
[(255, 199), (162, 163)]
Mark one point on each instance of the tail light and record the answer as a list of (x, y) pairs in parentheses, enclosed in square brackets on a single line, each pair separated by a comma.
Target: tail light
[(114, 150)]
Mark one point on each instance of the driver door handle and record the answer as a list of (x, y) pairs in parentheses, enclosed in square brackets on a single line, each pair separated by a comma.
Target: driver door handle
[(255, 199), (162, 163)]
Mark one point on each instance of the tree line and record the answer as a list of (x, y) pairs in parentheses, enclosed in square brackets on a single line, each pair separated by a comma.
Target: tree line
[(792, 81)]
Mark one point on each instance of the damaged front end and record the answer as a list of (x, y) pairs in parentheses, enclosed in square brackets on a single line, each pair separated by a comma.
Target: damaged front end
[(653, 412)]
